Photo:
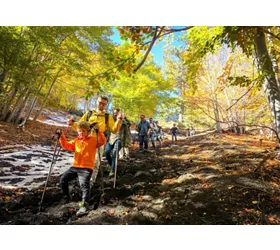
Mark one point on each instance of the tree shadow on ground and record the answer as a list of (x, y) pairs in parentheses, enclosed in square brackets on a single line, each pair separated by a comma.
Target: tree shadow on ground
[(185, 184)]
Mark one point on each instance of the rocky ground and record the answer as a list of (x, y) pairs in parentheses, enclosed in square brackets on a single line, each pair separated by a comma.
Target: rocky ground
[(209, 179)]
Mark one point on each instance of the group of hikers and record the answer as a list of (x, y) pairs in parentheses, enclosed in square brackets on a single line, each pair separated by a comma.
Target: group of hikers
[(102, 134)]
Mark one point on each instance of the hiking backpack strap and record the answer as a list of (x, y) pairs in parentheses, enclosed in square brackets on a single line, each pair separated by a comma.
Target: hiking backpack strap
[(106, 119), (89, 115)]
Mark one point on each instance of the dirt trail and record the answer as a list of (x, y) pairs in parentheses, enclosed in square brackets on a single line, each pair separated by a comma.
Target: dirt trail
[(204, 180)]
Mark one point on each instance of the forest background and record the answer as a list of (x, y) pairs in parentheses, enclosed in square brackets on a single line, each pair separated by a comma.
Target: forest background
[(218, 77)]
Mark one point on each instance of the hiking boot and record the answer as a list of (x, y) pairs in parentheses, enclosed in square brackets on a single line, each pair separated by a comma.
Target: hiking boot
[(111, 174), (141, 151), (108, 168), (83, 209)]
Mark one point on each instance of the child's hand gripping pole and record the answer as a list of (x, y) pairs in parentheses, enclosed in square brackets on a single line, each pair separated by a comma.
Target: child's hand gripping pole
[(58, 133)]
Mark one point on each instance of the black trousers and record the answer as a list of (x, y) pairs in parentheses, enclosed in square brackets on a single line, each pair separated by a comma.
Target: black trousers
[(83, 175), (143, 139)]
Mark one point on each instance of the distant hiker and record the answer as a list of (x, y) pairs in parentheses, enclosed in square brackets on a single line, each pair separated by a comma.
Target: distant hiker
[(84, 147), (143, 129), (113, 146), (152, 132), (158, 133), (104, 120), (191, 131), (174, 131), (125, 138)]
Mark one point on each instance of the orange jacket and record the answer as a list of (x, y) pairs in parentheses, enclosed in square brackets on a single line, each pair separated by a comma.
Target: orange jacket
[(84, 149)]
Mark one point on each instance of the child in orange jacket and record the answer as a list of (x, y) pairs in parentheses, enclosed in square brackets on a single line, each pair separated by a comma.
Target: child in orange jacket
[(84, 147)]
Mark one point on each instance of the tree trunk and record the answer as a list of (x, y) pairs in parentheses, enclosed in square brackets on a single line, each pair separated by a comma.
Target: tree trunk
[(182, 103), (19, 104), (231, 116), (273, 59), (216, 113), (182, 112), (28, 113), (270, 83), (7, 106), (3, 76), (47, 95), (22, 108)]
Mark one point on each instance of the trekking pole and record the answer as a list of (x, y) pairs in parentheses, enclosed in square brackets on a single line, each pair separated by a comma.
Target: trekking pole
[(123, 140), (99, 158), (50, 169), (116, 160)]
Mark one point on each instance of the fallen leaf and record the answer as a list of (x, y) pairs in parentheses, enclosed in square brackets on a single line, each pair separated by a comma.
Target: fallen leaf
[(168, 181), (126, 211), (271, 218), (206, 185), (111, 211), (138, 198), (230, 187), (248, 210), (168, 217), (255, 202)]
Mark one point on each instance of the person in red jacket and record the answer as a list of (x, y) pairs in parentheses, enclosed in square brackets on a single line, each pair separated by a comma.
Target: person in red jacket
[(84, 147)]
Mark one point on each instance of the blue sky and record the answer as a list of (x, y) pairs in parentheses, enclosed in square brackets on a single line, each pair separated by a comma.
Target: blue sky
[(157, 49)]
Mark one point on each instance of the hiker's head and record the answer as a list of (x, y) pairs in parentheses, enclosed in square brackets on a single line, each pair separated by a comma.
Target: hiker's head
[(102, 102), (151, 119), (83, 129), (116, 112), (142, 117), (174, 124), (156, 122)]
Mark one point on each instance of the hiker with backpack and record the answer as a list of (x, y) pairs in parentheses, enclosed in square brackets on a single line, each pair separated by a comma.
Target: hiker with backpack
[(153, 132), (125, 138), (113, 146), (191, 129), (158, 133), (143, 129), (105, 122), (174, 130), (84, 146)]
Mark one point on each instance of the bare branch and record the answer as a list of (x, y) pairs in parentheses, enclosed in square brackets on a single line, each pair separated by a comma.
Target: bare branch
[(149, 49), (241, 97), (272, 34), (167, 32)]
